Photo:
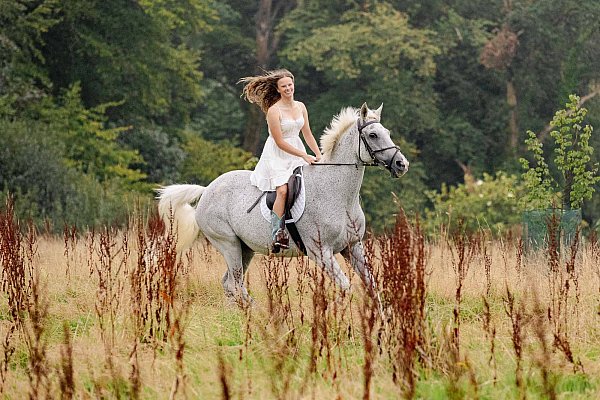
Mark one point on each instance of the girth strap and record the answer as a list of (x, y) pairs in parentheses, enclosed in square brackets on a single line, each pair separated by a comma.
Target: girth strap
[(293, 230)]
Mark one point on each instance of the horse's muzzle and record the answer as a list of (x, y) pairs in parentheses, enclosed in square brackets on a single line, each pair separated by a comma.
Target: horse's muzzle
[(398, 166)]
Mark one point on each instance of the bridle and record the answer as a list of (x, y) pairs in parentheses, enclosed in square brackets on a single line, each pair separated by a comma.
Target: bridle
[(370, 150), (361, 139)]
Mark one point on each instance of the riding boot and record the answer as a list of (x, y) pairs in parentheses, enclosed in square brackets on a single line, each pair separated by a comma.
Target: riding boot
[(281, 235), (278, 233)]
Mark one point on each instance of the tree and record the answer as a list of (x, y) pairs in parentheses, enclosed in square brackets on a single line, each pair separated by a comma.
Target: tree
[(23, 79), (90, 147), (138, 53)]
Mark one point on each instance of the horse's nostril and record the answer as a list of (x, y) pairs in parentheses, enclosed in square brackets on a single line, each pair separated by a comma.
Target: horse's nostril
[(400, 164)]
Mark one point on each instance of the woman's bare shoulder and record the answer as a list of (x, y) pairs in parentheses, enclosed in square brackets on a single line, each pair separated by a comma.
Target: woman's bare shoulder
[(273, 110)]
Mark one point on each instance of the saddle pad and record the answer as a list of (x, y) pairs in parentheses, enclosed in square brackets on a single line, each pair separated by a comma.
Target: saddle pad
[(297, 208)]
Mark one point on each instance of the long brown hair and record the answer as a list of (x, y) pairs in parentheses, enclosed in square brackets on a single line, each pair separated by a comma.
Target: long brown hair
[(262, 89)]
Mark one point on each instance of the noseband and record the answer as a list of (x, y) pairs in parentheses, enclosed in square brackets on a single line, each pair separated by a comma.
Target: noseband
[(370, 150)]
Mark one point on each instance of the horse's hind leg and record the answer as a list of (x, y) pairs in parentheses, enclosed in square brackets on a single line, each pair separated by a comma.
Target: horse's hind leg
[(233, 280)]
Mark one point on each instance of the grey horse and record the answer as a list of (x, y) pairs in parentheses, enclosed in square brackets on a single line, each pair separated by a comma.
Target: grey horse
[(333, 221)]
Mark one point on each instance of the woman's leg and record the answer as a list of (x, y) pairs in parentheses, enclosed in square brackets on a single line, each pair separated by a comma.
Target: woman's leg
[(279, 205), (280, 237)]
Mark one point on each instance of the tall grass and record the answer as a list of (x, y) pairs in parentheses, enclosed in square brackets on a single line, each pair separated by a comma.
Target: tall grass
[(117, 314)]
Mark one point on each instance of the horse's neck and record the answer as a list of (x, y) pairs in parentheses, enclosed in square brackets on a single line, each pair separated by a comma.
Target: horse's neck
[(344, 180), (345, 151)]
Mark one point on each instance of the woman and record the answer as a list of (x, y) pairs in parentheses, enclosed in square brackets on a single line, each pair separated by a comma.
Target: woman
[(283, 151)]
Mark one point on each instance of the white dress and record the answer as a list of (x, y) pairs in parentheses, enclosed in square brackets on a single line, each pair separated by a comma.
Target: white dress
[(275, 166)]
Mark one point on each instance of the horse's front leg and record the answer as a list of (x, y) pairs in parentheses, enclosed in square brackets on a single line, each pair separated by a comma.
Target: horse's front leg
[(326, 259), (355, 254)]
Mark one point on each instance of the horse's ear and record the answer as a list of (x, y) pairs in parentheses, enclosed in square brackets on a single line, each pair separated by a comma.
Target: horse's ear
[(378, 112), (364, 111)]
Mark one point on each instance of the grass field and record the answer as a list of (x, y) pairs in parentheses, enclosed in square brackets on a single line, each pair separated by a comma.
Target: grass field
[(114, 314)]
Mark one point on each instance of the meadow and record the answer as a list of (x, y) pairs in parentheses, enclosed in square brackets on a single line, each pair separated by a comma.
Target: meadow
[(118, 314)]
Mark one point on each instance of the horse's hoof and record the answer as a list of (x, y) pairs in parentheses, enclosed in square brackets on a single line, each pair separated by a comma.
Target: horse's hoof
[(239, 301)]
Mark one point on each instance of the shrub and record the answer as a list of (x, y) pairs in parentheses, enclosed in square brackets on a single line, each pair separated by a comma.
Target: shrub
[(45, 187), (206, 160), (490, 203), (572, 153)]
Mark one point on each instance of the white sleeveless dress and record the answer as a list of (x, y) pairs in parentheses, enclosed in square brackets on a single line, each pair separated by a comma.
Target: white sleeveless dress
[(275, 166)]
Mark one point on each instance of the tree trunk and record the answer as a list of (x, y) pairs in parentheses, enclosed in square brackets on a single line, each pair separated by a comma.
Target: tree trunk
[(255, 124), (513, 126), (269, 13)]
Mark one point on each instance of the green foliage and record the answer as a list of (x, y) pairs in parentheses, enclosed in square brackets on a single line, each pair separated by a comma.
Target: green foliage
[(381, 196), (537, 178), (572, 157), (142, 55), (573, 153), (90, 147), (22, 24), (45, 188), (489, 204), (160, 66), (346, 49), (162, 154), (206, 160)]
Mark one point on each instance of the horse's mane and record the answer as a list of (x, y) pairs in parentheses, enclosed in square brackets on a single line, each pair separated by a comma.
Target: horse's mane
[(339, 125)]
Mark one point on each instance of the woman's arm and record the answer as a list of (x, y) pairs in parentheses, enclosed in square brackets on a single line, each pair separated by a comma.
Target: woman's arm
[(275, 128), (307, 133)]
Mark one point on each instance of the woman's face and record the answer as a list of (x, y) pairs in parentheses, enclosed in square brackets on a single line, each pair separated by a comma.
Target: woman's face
[(285, 87)]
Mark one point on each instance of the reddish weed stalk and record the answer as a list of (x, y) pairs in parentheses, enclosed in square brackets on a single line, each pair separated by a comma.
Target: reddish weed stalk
[(66, 372), (224, 377), (177, 338), (318, 284), (34, 327), (594, 252), (517, 316), (560, 283), (370, 321), (279, 332), (543, 359), (462, 249), (70, 241), (135, 380), (276, 271), (488, 323), (153, 280), (153, 284), (15, 283), (28, 309), (107, 270), (404, 294)]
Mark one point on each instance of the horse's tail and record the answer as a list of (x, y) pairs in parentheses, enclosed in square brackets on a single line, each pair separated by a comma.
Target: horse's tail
[(174, 202)]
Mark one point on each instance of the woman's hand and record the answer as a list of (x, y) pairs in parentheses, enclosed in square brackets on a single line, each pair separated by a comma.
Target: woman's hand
[(309, 159)]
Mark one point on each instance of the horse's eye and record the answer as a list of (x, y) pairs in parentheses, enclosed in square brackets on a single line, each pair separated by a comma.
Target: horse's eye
[(373, 135)]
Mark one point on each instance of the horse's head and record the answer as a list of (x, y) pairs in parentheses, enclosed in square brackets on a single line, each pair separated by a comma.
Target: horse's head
[(375, 142)]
